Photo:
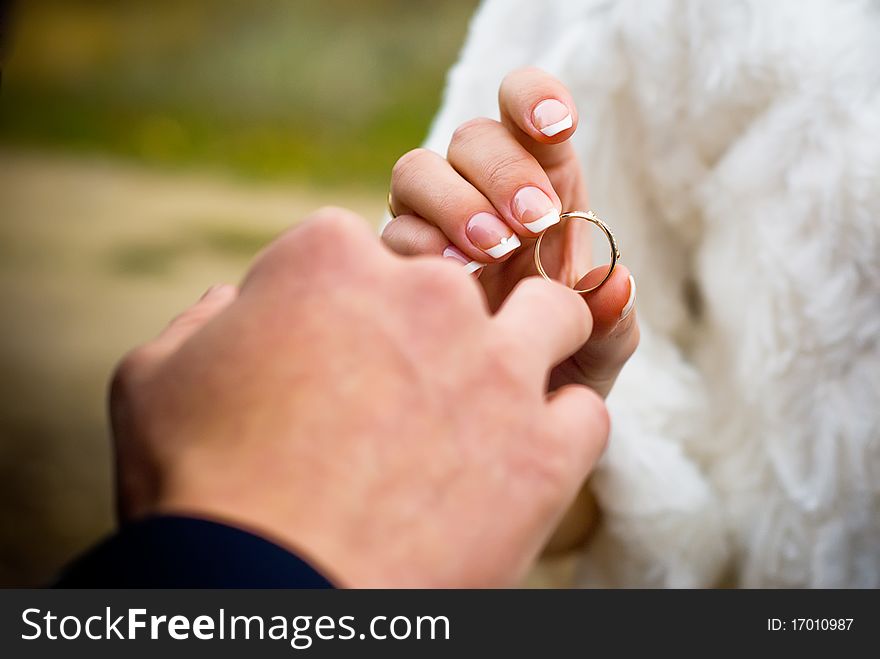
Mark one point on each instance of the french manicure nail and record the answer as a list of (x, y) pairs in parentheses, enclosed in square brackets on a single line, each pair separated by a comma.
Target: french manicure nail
[(491, 235), (551, 117), (631, 301), (534, 209), (456, 255)]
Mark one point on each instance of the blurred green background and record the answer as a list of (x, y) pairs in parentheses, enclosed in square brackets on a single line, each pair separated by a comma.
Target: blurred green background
[(147, 150), (330, 92)]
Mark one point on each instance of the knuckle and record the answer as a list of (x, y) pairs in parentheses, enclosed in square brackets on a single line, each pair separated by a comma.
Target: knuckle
[(470, 130), (550, 466), (410, 240), (561, 297), (332, 222), (393, 237), (412, 172), (329, 235), (596, 408), (130, 370), (512, 373), (505, 169), (442, 277), (408, 165), (327, 226), (585, 434), (454, 206), (194, 316), (602, 419), (399, 240), (594, 416), (445, 283), (564, 306), (572, 308)]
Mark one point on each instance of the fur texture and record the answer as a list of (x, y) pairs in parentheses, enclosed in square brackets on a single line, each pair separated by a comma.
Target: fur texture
[(735, 149)]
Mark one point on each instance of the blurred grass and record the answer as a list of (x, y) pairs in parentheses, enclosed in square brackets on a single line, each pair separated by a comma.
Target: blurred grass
[(328, 92), (224, 238), (308, 103)]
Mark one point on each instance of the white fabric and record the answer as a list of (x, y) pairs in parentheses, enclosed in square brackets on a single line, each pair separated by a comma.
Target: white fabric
[(735, 150)]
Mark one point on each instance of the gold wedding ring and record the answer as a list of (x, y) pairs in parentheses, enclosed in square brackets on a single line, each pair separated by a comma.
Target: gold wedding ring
[(588, 216), (391, 210)]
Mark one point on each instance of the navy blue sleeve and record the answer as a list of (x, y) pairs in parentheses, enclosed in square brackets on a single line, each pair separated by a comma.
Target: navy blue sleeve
[(183, 552)]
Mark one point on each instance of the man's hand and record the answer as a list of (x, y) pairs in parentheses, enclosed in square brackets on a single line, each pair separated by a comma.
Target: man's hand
[(365, 410)]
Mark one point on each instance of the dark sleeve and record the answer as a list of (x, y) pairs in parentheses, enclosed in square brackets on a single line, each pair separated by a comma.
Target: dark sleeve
[(183, 552)]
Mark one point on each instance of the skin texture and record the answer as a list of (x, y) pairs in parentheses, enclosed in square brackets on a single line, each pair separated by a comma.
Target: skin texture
[(366, 410), (486, 164)]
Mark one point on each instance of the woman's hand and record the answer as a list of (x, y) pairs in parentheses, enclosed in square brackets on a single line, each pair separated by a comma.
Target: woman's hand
[(500, 185)]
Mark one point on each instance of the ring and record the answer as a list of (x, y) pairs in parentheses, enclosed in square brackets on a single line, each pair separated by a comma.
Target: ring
[(391, 210), (588, 216)]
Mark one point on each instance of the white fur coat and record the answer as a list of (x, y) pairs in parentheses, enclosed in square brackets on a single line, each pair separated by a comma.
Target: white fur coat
[(734, 147)]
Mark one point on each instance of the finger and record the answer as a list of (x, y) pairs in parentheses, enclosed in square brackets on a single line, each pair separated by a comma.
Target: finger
[(581, 425), (425, 184), (215, 300), (539, 111), (411, 235), (486, 154), (548, 319), (330, 241), (615, 329), (576, 525)]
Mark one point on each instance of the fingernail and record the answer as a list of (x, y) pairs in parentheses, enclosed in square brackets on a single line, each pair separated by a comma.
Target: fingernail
[(551, 117), (491, 235), (631, 301), (534, 209), (456, 255)]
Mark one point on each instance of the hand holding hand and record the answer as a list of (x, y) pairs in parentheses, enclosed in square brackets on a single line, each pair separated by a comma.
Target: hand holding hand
[(364, 409)]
